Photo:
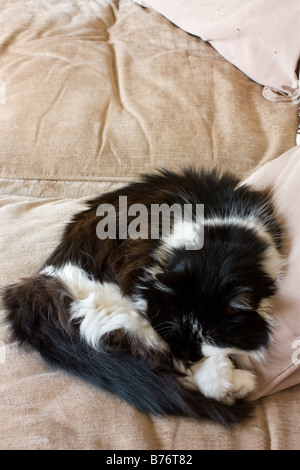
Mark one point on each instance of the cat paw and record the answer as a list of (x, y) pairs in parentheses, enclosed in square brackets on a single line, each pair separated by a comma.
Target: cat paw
[(213, 376), (217, 378), (243, 383)]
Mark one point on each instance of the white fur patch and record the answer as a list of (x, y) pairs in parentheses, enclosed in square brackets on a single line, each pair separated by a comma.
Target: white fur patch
[(188, 233), (217, 378), (273, 261), (242, 358), (101, 308), (185, 234)]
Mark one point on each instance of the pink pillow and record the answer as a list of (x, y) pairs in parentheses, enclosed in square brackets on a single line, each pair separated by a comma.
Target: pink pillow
[(281, 367), (261, 38)]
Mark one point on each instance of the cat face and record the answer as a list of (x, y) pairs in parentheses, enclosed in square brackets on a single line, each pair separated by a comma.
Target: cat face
[(204, 299)]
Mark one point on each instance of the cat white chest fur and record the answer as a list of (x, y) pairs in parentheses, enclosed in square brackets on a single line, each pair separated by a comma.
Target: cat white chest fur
[(100, 308)]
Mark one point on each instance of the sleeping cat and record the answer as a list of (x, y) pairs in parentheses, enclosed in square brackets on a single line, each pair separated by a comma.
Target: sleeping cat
[(168, 321)]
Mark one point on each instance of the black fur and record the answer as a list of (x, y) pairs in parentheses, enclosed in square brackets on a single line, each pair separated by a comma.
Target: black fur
[(218, 287)]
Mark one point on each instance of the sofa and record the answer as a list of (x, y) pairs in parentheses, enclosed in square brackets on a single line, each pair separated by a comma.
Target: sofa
[(92, 94)]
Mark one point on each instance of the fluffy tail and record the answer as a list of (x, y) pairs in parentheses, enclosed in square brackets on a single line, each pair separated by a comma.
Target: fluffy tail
[(37, 312)]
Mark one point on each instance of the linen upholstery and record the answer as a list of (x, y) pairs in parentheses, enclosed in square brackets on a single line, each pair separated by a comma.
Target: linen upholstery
[(93, 93)]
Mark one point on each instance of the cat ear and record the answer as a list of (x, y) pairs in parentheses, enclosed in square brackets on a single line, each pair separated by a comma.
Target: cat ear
[(240, 302)]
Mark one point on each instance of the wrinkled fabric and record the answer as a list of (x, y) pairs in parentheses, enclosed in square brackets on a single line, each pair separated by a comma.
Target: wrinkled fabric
[(92, 93), (42, 408), (99, 90), (281, 367), (260, 37)]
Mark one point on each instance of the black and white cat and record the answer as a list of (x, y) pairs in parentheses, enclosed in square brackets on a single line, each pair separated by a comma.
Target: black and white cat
[(166, 322)]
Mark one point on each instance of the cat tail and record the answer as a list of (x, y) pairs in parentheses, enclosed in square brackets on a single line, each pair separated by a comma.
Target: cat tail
[(37, 310)]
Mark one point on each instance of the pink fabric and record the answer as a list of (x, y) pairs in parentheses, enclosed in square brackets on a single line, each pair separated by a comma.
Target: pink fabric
[(282, 366), (260, 37)]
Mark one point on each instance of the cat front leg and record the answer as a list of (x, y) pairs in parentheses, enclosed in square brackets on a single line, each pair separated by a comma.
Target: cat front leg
[(216, 377)]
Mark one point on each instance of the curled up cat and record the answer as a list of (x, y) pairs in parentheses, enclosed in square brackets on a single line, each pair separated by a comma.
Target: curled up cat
[(165, 315)]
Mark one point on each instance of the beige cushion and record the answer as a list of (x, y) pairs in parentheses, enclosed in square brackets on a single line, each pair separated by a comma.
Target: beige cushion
[(45, 409), (105, 90), (95, 93)]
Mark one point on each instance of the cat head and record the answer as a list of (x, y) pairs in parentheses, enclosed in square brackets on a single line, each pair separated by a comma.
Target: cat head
[(215, 297)]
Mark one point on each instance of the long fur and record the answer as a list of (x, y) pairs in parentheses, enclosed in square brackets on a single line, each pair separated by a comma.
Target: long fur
[(159, 285)]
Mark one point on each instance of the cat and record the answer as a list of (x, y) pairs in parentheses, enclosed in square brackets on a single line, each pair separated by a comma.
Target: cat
[(168, 321)]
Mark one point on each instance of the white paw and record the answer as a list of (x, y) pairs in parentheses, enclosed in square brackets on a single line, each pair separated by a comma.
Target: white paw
[(213, 376), (243, 383), (217, 378)]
